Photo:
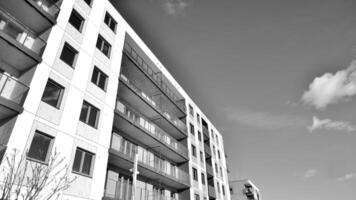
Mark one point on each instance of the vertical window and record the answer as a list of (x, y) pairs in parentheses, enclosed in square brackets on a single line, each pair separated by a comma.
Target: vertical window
[(194, 151), (192, 129), (99, 78), (216, 168), (110, 22), (40, 147), (191, 111), (223, 189), (218, 186), (69, 54), (76, 20), (83, 162), (201, 157), (89, 114), (89, 2), (217, 139), (53, 93), (198, 118), (199, 136), (203, 178), (196, 197), (219, 154), (195, 174), (214, 150), (221, 172), (103, 46)]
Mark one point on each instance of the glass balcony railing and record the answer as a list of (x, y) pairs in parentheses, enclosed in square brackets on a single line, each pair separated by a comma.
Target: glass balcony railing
[(51, 7), (13, 90), (148, 160), (151, 128), (14, 29), (157, 77), (178, 123)]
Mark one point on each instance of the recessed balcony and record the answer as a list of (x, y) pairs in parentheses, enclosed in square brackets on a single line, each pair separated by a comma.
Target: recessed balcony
[(12, 96), (122, 156), (38, 15), (207, 150), (211, 192), (209, 170), (20, 48), (139, 128), (154, 110)]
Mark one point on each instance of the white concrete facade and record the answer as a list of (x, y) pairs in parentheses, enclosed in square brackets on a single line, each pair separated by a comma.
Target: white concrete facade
[(63, 123)]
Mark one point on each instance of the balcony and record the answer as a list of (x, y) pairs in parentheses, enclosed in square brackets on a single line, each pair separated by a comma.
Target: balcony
[(211, 192), (137, 127), (38, 15), (20, 48), (206, 133), (207, 150), (122, 156), (209, 170), (130, 92), (12, 96), (155, 77)]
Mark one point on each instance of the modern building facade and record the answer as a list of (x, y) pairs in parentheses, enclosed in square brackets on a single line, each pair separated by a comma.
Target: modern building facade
[(244, 190), (76, 78)]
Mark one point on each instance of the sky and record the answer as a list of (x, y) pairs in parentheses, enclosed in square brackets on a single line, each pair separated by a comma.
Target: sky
[(276, 77)]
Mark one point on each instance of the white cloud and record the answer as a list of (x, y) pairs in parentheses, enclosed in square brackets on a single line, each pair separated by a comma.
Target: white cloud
[(347, 177), (328, 124), (265, 120), (175, 7), (310, 173), (331, 88)]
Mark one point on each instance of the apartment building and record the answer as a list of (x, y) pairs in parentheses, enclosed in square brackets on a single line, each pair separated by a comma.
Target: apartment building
[(244, 190), (76, 78)]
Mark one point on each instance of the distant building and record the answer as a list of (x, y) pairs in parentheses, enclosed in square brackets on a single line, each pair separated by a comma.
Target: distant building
[(244, 190)]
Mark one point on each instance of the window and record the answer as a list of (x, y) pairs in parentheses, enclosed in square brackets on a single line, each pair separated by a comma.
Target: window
[(217, 139), (192, 129), (103, 46), (40, 147), (203, 178), (196, 197), (195, 174), (223, 189), (218, 186), (219, 154), (201, 157), (76, 20), (83, 162), (89, 2), (214, 150), (53, 93), (69, 54), (216, 168), (199, 136), (99, 78), (221, 172), (191, 111), (110, 22), (194, 151), (89, 114), (198, 118)]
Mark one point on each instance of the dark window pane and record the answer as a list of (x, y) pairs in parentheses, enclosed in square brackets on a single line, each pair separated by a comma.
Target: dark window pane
[(93, 117), (103, 46), (95, 76), (102, 82), (76, 20), (39, 147), (68, 54), (110, 22), (84, 112), (87, 163), (52, 93), (88, 2), (77, 160)]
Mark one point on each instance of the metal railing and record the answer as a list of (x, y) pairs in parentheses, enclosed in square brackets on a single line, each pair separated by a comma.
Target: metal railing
[(154, 163), (14, 29), (178, 123), (13, 90), (156, 76), (49, 6), (150, 128)]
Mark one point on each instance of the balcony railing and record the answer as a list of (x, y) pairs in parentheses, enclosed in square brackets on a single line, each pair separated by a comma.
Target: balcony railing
[(211, 191), (178, 123), (150, 128), (153, 163), (156, 77), (122, 190), (14, 29), (51, 7), (206, 132), (13, 90)]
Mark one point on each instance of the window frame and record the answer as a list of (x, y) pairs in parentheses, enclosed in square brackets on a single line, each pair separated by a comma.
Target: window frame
[(60, 97), (80, 17), (194, 151), (90, 107), (73, 50), (191, 129), (84, 152), (202, 178), (104, 41), (100, 74), (195, 174), (110, 22), (50, 147)]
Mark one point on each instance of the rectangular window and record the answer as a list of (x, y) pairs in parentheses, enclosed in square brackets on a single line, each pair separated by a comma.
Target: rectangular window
[(194, 151), (218, 186), (89, 114), (214, 150), (40, 147), (76, 20), (83, 162), (89, 2), (110, 22), (192, 129), (216, 168), (103, 46), (221, 172), (196, 197), (203, 178), (191, 111), (199, 136), (219, 154), (99, 78), (201, 157), (223, 190), (53, 93), (198, 118), (69, 54), (195, 174)]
